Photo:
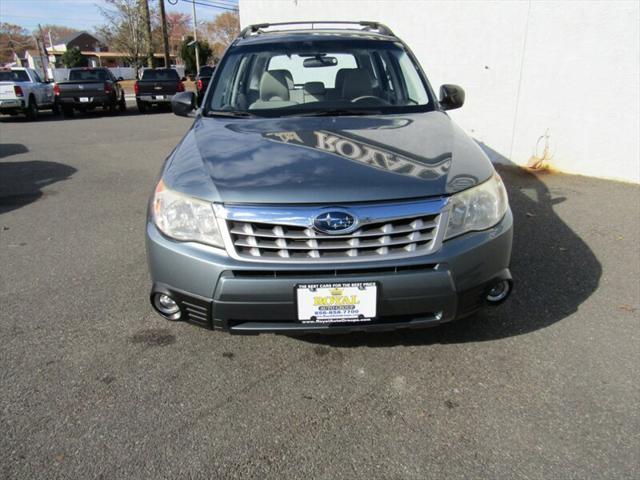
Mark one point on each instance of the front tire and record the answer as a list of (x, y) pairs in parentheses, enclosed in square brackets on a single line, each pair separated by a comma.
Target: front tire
[(122, 104)]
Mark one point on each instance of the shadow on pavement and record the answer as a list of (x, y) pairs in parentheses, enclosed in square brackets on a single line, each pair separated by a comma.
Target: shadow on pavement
[(47, 116), (553, 269), (21, 183), (8, 149)]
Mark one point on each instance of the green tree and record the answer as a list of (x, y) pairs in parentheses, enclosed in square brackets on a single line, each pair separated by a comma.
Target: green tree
[(188, 54), (73, 58)]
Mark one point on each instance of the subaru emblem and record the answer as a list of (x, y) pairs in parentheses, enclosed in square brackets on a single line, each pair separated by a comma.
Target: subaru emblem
[(335, 222)]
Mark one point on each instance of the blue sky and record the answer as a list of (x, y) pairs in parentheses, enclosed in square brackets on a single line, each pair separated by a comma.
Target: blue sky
[(84, 14)]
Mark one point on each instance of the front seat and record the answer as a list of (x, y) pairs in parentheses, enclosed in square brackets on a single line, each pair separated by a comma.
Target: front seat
[(357, 83), (336, 92), (314, 92), (274, 90), (287, 76)]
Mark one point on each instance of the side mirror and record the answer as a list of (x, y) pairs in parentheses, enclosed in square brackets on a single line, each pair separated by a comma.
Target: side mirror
[(451, 97), (120, 79), (183, 103), (183, 79)]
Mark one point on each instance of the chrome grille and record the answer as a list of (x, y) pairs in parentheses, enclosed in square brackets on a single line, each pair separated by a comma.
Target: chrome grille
[(287, 235)]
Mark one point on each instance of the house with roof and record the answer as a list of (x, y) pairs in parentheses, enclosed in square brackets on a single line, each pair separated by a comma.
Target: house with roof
[(30, 59), (84, 41), (93, 49)]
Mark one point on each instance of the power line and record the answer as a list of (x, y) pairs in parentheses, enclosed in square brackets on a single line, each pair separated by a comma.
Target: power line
[(227, 3), (211, 5)]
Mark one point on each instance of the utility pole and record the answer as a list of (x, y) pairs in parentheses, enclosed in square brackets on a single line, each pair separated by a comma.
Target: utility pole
[(195, 36), (147, 25), (42, 57), (165, 38)]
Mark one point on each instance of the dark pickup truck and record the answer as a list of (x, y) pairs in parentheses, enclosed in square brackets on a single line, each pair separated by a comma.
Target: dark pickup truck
[(88, 88), (202, 81), (157, 86)]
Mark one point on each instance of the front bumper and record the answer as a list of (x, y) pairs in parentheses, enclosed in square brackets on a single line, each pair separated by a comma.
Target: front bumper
[(219, 292)]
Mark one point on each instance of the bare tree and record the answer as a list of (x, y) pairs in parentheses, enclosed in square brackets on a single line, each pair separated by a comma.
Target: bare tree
[(221, 32), (55, 32), (14, 39), (124, 29), (178, 27)]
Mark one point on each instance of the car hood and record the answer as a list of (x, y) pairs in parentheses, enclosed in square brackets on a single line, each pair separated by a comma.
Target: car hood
[(321, 160)]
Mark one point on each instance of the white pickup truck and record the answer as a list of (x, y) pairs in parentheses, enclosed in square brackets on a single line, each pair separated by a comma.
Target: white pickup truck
[(23, 91)]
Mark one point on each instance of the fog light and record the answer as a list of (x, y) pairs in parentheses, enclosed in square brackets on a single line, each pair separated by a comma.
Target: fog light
[(167, 306), (499, 292)]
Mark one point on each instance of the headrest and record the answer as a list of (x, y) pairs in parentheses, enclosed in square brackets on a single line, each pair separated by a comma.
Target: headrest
[(287, 75), (314, 88), (340, 78), (274, 85), (357, 83)]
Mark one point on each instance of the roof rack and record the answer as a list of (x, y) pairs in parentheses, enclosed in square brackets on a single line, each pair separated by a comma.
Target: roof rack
[(258, 27)]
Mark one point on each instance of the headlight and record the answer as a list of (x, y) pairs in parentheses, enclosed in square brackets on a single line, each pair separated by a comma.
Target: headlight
[(184, 218), (477, 208)]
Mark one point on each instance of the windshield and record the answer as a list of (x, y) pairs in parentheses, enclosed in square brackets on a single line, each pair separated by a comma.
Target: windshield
[(167, 74), (355, 76), (88, 75), (14, 76)]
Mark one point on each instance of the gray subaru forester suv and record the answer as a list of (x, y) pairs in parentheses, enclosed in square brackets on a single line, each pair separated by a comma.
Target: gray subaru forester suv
[(323, 188)]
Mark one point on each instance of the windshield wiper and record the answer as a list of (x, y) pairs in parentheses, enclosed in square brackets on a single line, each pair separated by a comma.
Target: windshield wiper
[(335, 113), (229, 113)]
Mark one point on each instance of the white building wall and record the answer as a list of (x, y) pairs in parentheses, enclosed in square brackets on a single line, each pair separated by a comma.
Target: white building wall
[(562, 72)]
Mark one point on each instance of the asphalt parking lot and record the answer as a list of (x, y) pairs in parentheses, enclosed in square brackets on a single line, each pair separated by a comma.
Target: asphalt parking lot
[(94, 384)]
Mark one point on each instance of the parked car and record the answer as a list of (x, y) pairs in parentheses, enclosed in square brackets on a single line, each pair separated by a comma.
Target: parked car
[(23, 91), (324, 188), (202, 81), (157, 87), (88, 88)]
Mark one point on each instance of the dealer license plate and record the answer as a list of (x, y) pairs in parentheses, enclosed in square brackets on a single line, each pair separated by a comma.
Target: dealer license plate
[(337, 302), (84, 99)]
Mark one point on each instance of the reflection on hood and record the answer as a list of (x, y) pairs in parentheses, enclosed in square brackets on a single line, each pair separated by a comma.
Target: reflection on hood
[(355, 149)]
